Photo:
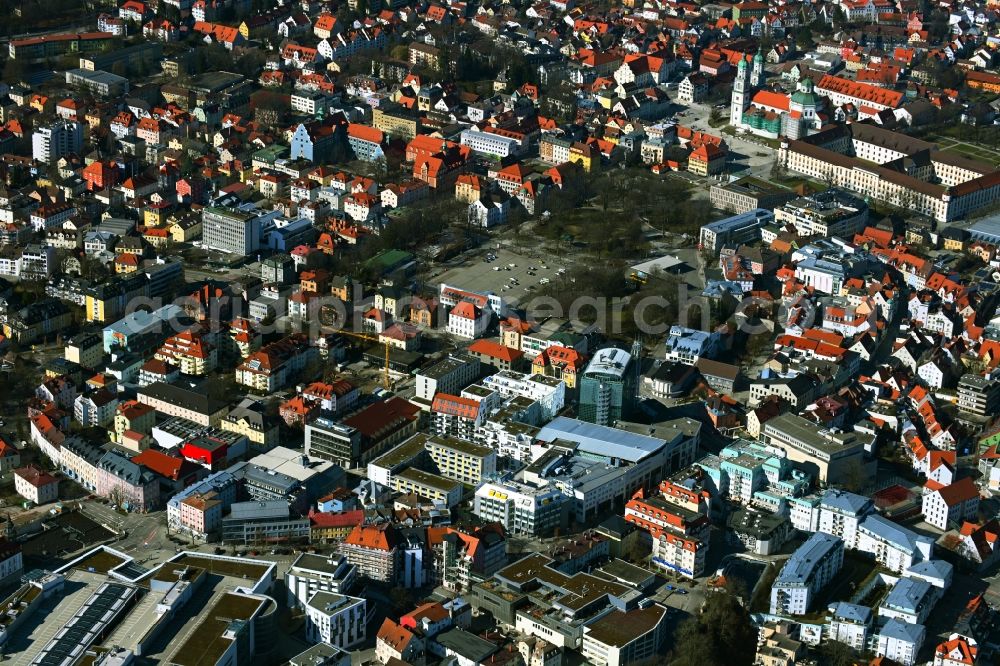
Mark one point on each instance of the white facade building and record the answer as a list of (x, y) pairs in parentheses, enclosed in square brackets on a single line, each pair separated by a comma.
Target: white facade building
[(336, 619), (814, 564), (951, 505), (900, 641), (849, 624), (310, 574), (490, 144), (548, 392), (521, 509), (840, 514), (50, 143), (893, 546), (803, 512), (468, 321), (448, 376)]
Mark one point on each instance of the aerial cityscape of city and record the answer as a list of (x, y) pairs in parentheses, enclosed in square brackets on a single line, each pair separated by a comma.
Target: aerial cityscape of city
[(513, 333)]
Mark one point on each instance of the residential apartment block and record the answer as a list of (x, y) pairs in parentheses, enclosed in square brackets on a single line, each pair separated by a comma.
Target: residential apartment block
[(810, 568)]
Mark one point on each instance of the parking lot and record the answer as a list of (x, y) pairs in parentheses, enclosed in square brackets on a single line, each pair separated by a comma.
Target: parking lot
[(66, 534), (516, 277), (748, 151)]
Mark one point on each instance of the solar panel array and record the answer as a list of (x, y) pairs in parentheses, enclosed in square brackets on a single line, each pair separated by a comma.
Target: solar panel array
[(87, 626)]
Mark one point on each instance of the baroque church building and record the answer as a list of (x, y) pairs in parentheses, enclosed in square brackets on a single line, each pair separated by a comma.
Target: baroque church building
[(772, 114)]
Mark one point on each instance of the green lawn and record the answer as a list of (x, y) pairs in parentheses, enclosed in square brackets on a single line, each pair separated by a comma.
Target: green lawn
[(951, 140), (855, 571), (793, 182), (974, 152)]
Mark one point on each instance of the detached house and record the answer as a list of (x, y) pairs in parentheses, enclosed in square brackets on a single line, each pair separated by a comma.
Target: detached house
[(490, 210), (152, 130), (706, 160), (36, 485), (162, 30), (326, 26), (227, 36), (943, 506), (299, 56), (469, 319)]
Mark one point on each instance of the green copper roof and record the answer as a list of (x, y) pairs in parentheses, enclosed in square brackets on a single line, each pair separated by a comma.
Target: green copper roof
[(804, 98)]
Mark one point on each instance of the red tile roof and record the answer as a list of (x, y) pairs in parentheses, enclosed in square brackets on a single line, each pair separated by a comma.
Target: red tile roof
[(383, 416), (771, 99), (374, 537), (365, 133), (465, 309), (342, 519), (495, 350), (962, 490), (395, 636), (861, 91), (36, 477), (454, 404), (7, 450), (161, 463)]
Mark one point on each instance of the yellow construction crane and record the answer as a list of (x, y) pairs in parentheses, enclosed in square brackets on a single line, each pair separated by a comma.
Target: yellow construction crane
[(386, 383)]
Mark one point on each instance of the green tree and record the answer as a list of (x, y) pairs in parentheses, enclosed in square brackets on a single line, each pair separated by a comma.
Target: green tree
[(835, 653), (804, 38), (169, 12), (720, 635), (13, 70)]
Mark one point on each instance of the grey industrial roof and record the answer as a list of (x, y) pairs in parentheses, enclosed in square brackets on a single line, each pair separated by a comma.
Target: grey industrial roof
[(316, 563), (757, 523), (97, 76), (185, 398), (319, 655), (609, 361), (467, 645), (741, 220), (445, 366), (625, 573), (673, 431), (256, 475), (258, 510), (428, 479), (140, 320), (988, 228), (83, 629), (806, 432), (601, 440), (328, 602)]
